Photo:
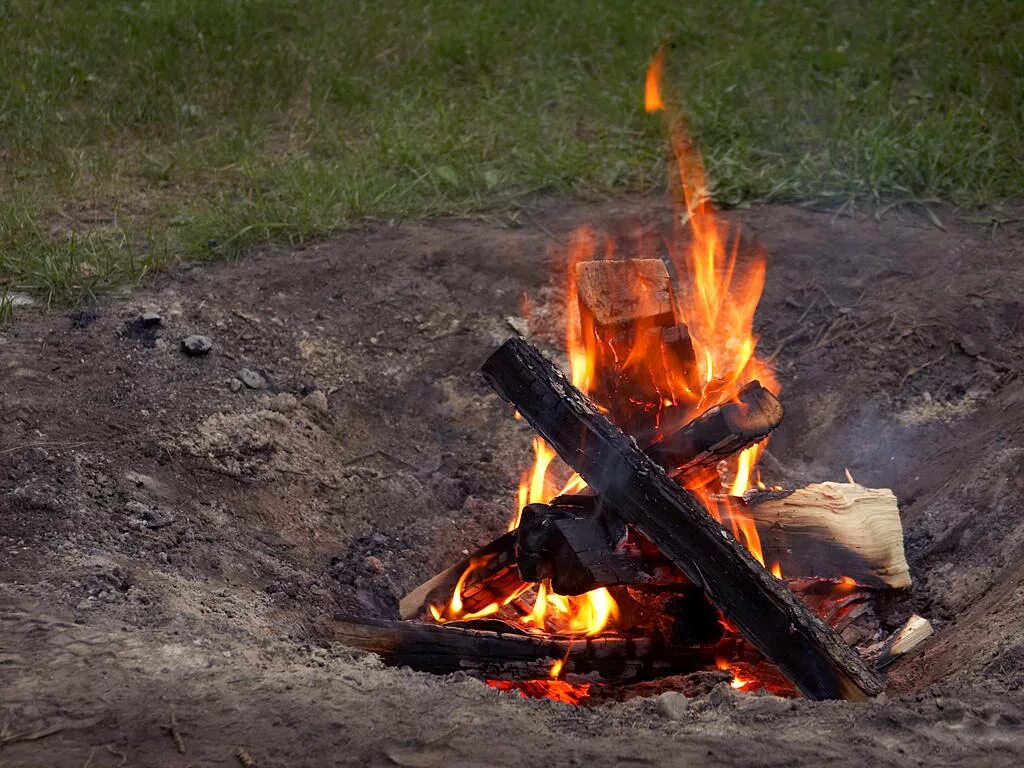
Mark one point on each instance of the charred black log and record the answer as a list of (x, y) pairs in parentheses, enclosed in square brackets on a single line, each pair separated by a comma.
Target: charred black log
[(514, 655), (577, 549), (810, 654)]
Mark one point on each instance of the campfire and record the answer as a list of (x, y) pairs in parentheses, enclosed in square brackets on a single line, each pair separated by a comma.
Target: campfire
[(644, 553)]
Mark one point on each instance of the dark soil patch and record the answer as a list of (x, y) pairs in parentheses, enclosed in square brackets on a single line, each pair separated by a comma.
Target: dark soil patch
[(176, 540)]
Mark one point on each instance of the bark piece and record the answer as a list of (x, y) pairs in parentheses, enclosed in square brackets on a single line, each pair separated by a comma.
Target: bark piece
[(810, 654), (907, 638)]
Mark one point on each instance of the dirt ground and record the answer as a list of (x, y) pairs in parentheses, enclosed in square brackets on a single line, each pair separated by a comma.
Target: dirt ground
[(175, 542)]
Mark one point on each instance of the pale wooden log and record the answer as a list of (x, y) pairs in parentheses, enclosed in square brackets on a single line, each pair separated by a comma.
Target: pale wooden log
[(618, 293), (833, 529)]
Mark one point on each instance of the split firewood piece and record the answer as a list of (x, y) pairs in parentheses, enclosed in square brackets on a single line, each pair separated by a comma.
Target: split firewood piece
[(443, 649), (615, 294), (810, 654), (719, 432), (907, 638), (833, 529), (493, 575), (625, 307)]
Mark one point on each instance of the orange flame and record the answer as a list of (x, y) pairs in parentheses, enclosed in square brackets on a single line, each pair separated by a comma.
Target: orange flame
[(652, 85), (716, 297), (737, 681), (533, 481)]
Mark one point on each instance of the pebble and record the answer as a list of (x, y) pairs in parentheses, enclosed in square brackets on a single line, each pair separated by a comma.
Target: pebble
[(196, 345), (374, 564), (673, 705), (316, 401), (235, 384), (252, 379), (149, 319)]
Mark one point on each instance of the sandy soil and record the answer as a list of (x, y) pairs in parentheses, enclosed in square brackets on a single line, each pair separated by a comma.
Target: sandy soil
[(174, 543)]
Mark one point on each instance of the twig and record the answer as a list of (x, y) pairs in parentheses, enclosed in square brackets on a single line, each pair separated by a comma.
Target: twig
[(176, 734), (920, 368), (798, 333)]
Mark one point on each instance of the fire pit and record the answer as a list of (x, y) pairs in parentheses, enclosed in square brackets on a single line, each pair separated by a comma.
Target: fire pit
[(654, 558)]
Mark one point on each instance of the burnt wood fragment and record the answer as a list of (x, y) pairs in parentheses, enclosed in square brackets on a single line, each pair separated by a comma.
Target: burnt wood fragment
[(810, 654)]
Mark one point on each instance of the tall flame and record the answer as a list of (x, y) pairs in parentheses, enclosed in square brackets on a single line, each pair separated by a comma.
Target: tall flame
[(716, 295)]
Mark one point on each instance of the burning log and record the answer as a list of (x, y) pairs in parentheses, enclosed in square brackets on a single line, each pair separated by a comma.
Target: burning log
[(719, 432), (614, 295), (626, 306), (696, 447), (811, 655), (833, 529), (490, 575), (511, 654)]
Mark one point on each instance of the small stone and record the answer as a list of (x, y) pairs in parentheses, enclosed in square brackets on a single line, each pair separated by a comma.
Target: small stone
[(149, 319), (723, 695), (283, 402), (316, 401), (252, 379), (235, 384), (673, 705), (373, 564), (196, 345)]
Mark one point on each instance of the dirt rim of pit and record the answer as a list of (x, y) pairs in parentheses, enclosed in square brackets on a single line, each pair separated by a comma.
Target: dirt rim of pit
[(178, 530)]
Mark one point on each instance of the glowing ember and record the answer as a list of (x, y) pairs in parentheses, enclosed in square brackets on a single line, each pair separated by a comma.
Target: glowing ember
[(559, 690)]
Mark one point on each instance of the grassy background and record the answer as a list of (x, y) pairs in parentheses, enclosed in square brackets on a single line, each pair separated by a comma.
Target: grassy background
[(133, 134)]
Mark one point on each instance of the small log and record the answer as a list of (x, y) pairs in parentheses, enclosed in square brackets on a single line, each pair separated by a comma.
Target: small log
[(719, 432), (829, 530), (810, 654), (577, 549), (443, 649)]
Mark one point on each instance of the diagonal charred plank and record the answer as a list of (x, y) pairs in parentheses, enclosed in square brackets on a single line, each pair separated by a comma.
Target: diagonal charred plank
[(811, 655)]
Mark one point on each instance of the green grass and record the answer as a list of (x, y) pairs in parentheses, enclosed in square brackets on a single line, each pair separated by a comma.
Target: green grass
[(133, 134)]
